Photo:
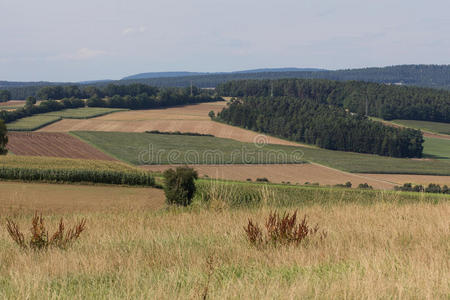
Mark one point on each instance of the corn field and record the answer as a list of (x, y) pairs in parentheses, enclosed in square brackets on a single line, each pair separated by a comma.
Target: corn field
[(71, 170)]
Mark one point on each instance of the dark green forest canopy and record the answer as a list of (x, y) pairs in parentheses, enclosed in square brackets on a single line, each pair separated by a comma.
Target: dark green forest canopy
[(383, 101), (324, 125)]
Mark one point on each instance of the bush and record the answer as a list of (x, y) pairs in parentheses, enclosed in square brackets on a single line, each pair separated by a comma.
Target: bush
[(365, 186), (180, 185), (281, 230), (263, 179), (39, 239)]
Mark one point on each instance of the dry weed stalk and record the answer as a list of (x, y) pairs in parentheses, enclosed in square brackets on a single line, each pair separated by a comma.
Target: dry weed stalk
[(282, 230), (210, 262), (39, 235)]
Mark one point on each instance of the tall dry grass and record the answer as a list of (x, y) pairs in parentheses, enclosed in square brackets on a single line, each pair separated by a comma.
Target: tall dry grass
[(377, 251)]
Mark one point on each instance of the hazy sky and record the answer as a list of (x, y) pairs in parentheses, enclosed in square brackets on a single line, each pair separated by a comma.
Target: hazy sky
[(62, 40)]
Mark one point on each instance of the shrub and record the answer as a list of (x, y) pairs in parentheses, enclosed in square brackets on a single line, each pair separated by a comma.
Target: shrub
[(180, 185), (281, 230), (39, 239), (263, 179), (365, 186)]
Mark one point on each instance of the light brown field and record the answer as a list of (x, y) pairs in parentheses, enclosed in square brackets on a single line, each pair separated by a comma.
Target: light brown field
[(13, 103), (400, 179), (277, 173), (18, 197), (52, 145), (190, 118), (379, 251)]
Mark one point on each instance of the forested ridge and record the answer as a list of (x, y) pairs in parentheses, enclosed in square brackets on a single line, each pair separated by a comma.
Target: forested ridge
[(324, 125), (432, 76), (384, 101)]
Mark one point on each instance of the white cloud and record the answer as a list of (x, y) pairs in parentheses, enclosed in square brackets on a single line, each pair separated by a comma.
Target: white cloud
[(132, 30)]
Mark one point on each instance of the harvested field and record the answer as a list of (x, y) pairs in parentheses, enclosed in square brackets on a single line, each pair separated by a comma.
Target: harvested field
[(283, 173), (17, 103), (53, 145), (400, 179), (62, 198), (190, 118)]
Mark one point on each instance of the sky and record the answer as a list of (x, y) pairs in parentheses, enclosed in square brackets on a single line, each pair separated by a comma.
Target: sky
[(60, 40)]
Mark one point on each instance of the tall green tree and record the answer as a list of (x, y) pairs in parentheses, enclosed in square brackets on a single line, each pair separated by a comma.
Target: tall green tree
[(3, 138)]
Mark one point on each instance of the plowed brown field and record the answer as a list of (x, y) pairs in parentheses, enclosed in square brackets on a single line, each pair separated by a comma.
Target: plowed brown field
[(278, 173), (53, 145), (190, 118), (13, 103)]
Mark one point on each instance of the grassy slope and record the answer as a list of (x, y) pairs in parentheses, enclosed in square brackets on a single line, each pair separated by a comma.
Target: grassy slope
[(128, 147), (83, 113), (144, 148), (134, 252), (32, 123), (435, 127), (437, 148)]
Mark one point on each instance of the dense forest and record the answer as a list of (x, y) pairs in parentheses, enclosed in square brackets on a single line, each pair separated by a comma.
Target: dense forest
[(383, 101), (327, 126), (432, 76)]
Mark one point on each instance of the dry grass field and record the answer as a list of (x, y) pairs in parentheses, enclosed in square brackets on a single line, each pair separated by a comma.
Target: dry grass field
[(53, 145), (372, 251), (416, 179), (18, 197), (190, 118), (277, 173)]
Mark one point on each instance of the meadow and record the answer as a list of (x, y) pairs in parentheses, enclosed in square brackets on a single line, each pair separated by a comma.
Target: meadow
[(435, 127), (437, 148), (376, 248), (48, 169), (83, 112), (32, 123), (134, 148), (147, 148)]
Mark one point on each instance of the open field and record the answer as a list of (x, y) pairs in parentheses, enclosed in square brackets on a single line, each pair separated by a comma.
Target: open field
[(435, 127), (12, 103), (135, 252), (293, 173), (50, 169), (415, 124), (437, 148), (140, 148), (53, 145), (32, 123), (19, 197), (83, 113), (190, 118), (146, 148), (400, 179)]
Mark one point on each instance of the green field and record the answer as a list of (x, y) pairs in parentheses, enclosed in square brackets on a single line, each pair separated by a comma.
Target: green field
[(32, 123), (130, 147), (83, 113), (435, 127), (146, 148), (437, 148)]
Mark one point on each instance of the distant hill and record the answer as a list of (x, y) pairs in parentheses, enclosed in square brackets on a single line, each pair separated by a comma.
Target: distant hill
[(150, 75), (162, 75)]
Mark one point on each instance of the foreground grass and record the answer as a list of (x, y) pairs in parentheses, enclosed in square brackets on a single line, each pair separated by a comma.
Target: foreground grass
[(32, 123), (146, 148), (378, 251), (83, 112), (435, 127)]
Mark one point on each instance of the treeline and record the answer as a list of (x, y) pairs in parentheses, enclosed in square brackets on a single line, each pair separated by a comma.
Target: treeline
[(45, 106), (431, 188), (5, 96), (384, 101), (327, 126)]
